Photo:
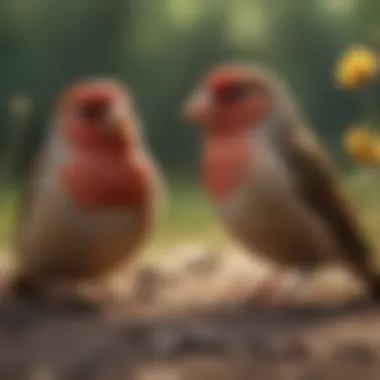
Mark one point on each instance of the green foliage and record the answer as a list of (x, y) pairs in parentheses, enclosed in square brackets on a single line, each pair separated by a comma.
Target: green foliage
[(161, 47)]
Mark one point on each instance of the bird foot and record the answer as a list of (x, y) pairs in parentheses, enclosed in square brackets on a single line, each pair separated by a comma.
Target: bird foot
[(277, 291), (57, 292), (99, 294)]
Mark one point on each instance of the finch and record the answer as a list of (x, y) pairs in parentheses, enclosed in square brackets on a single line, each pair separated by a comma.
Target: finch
[(92, 197), (271, 182)]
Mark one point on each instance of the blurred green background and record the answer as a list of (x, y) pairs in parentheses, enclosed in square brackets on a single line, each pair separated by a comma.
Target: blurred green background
[(160, 48)]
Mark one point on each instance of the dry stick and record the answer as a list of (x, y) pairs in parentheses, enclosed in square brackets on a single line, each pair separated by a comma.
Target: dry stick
[(16, 138), (18, 116)]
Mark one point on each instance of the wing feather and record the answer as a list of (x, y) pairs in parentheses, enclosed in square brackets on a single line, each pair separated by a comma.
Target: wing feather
[(317, 183)]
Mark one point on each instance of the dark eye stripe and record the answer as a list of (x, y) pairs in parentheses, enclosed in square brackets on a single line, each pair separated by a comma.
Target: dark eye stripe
[(92, 110), (234, 92)]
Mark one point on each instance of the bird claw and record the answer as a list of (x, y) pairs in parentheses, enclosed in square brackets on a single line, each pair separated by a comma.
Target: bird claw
[(277, 292)]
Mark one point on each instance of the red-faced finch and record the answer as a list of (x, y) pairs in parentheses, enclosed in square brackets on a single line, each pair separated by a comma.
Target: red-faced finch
[(93, 195), (272, 184)]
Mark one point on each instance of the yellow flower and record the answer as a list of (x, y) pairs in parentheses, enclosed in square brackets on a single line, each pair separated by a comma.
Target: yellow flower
[(357, 67), (358, 143)]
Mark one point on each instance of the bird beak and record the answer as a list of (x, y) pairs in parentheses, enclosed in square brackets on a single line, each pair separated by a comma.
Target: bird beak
[(119, 118), (199, 105)]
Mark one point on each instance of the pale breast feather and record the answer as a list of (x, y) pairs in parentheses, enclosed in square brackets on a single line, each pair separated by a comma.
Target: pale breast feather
[(47, 196)]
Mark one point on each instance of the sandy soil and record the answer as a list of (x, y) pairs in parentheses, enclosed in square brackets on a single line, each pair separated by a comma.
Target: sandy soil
[(195, 316)]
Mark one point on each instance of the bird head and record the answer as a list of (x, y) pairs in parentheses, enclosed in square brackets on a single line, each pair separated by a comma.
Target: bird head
[(97, 111), (232, 98)]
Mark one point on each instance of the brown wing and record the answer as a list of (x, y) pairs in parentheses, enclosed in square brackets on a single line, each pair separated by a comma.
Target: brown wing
[(317, 183)]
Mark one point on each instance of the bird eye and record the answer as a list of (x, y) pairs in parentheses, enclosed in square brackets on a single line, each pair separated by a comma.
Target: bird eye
[(234, 92), (92, 110)]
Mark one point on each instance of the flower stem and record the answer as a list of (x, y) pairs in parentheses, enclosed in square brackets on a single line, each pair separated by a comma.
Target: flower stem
[(369, 108)]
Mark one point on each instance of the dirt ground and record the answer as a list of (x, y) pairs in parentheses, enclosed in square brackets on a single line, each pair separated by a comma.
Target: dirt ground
[(190, 319)]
